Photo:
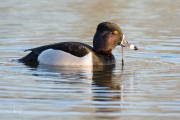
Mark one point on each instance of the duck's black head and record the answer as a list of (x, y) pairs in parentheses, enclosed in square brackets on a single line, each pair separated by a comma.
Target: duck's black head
[(107, 37)]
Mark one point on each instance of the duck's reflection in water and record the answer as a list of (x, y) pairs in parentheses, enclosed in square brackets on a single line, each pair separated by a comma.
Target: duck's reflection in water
[(106, 90), (64, 72)]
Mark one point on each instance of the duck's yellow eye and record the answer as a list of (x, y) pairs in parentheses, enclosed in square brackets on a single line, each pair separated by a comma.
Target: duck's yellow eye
[(115, 32)]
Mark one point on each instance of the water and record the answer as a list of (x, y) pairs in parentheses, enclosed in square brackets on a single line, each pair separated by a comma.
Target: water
[(147, 87)]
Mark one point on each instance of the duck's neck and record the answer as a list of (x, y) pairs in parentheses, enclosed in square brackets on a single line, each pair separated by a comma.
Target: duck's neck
[(108, 52), (101, 43)]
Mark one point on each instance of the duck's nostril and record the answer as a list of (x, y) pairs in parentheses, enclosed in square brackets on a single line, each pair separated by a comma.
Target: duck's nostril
[(135, 48)]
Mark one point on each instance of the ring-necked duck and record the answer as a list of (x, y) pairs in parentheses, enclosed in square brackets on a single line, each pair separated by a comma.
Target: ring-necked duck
[(107, 37)]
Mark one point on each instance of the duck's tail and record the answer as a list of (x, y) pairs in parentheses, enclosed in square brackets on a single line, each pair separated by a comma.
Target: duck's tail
[(30, 58)]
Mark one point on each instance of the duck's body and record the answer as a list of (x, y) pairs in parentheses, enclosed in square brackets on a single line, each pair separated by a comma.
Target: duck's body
[(67, 53), (107, 37)]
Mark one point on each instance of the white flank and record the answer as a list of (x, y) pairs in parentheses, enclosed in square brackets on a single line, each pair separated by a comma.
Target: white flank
[(58, 57)]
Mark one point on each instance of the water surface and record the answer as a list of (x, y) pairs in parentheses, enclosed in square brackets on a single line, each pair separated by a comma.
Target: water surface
[(147, 87)]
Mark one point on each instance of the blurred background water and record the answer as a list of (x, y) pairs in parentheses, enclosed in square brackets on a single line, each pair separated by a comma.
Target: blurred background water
[(146, 88)]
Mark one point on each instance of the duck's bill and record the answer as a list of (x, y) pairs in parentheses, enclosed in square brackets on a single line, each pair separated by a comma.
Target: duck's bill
[(125, 43)]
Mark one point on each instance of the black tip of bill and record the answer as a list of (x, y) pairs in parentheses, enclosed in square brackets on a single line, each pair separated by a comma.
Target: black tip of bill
[(135, 48)]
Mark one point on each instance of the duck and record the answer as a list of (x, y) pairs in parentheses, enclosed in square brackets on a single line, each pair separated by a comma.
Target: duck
[(108, 35)]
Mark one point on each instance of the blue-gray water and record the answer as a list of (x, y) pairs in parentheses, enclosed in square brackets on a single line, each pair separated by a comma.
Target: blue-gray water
[(146, 88)]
